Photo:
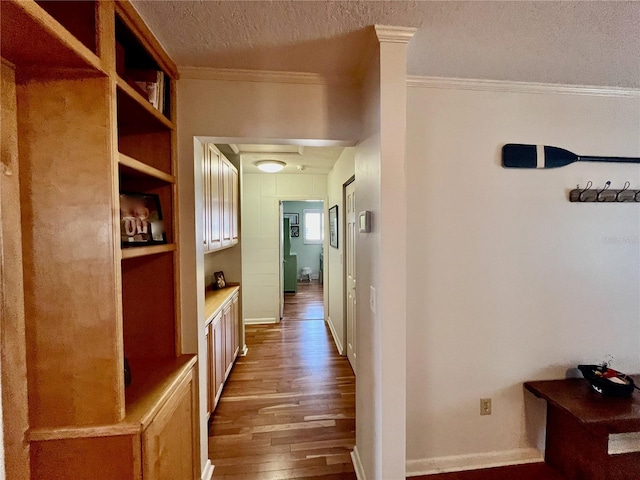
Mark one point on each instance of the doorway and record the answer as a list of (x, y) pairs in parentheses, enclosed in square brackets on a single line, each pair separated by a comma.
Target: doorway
[(257, 264), (301, 242)]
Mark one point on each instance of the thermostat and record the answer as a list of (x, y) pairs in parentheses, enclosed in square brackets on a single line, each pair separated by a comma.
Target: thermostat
[(364, 221)]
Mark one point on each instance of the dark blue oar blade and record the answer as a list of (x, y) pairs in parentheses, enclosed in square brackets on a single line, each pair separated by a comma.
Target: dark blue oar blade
[(516, 155), (558, 157)]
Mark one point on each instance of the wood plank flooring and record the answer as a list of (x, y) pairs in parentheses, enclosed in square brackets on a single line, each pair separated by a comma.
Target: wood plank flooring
[(288, 408)]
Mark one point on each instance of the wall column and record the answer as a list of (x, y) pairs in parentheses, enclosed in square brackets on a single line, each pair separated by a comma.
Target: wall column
[(380, 451)]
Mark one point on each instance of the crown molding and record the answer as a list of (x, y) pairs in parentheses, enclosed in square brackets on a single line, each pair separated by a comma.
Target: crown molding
[(519, 87), (386, 33), (264, 76)]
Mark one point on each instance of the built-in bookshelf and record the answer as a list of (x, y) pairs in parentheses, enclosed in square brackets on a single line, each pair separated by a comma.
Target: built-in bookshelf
[(94, 100), (138, 68)]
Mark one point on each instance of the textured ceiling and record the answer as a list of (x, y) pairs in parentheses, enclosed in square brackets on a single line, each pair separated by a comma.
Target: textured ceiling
[(585, 43)]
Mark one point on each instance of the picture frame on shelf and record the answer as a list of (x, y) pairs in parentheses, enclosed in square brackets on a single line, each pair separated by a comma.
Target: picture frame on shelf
[(219, 281), (295, 231), (141, 220), (333, 226), (294, 218)]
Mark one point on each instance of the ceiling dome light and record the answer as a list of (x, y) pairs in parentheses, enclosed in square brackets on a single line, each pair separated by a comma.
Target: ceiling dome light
[(270, 166)]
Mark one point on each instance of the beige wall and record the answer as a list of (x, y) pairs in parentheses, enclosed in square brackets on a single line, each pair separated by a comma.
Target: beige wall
[(334, 258), (368, 449), (507, 280), (261, 194)]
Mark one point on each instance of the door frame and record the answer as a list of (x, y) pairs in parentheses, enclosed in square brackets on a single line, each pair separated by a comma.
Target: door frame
[(299, 198)]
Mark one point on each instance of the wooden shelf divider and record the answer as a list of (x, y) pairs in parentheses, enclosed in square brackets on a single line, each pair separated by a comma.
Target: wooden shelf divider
[(26, 23), (135, 252), (144, 103), (133, 166)]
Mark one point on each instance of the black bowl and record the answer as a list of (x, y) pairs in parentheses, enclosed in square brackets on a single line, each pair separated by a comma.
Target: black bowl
[(618, 385)]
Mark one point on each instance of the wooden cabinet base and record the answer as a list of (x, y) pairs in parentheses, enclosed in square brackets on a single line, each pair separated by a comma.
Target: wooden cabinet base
[(222, 329), (98, 458), (163, 445), (170, 444)]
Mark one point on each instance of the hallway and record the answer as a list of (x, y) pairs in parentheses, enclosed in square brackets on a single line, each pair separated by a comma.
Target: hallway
[(288, 409)]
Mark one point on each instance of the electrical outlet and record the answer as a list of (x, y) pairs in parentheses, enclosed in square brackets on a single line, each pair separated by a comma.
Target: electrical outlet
[(485, 406)]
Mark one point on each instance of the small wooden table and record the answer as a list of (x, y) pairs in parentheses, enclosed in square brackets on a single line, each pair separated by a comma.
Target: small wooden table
[(579, 422)]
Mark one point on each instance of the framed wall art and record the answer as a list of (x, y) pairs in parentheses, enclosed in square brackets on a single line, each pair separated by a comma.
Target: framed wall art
[(141, 220), (294, 218), (333, 226)]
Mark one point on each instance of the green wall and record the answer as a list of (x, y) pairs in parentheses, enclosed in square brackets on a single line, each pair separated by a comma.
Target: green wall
[(308, 255)]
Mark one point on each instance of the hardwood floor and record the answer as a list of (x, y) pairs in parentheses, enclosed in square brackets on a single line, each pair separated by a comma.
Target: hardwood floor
[(307, 304), (288, 409)]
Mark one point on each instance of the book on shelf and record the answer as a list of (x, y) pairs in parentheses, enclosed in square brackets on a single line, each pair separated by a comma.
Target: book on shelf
[(150, 84)]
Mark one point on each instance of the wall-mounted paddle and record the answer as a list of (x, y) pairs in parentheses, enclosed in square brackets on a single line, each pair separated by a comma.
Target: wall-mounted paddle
[(515, 155)]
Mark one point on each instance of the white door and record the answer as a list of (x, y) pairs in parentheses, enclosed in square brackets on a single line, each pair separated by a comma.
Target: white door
[(350, 270)]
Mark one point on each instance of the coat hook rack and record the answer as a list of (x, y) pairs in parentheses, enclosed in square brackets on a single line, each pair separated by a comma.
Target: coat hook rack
[(604, 194)]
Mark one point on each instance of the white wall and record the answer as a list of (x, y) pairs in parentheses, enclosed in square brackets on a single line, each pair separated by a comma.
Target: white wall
[(507, 280), (261, 194), (341, 172), (255, 112)]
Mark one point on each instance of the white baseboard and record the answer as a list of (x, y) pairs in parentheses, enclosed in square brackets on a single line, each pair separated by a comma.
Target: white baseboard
[(458, 463), (357, 464), (244, 351), (207, 471), (336, 340), (259, 321)]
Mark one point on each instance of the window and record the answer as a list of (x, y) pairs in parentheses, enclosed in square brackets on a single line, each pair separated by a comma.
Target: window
[(313, 224)]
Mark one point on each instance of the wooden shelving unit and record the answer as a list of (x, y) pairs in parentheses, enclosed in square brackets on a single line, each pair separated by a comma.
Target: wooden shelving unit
[(88, 303), (135, 252), (32, 37), (134, 168)]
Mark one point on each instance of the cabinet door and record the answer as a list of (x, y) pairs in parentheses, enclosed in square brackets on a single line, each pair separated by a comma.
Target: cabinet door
[(206, 198), (218, 352), (210, 373), (228, 338), (170, 442), (226, 202), (235, 316), (234, 206), (215, 198)]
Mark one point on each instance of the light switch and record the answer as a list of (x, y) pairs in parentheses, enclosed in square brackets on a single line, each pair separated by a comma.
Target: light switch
[(372, 299)]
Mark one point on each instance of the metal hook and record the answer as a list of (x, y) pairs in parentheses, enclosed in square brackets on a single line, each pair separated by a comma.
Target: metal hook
[(625, 187), (581, 196), (606, 186)]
